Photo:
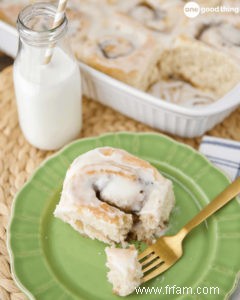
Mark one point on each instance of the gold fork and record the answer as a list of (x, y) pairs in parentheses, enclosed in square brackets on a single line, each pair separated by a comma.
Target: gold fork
[(167, 250)]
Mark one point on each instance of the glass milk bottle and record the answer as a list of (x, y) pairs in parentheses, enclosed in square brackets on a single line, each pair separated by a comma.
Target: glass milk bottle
[(48, 95)]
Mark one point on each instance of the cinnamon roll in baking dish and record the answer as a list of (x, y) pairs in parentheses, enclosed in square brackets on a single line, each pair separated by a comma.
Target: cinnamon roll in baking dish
[(181, 92), (110, 195), (117, 46), (200, 65), (157, 15), (220, 32)]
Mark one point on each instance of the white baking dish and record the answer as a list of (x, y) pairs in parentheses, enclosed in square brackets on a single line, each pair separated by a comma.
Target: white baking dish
[(171, 118)]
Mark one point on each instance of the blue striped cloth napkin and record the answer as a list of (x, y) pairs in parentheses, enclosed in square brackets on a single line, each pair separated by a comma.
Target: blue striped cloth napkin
[(223, 153)]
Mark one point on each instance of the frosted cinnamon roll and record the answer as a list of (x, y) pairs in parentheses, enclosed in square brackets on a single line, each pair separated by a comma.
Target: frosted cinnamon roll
[(119, 47), (111, 195), (222, 34), (200, 65), (181, 93), (157, 15)]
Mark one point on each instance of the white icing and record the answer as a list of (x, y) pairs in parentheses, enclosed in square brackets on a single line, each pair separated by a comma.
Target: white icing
[(119, 190), (181, 93), (123, 193)]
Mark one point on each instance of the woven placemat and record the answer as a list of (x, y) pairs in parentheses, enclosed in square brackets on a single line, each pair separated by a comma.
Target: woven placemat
[(18, 159)]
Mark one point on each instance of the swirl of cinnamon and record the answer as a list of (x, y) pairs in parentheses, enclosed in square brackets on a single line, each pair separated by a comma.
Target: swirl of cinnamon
[(146, 13), (114, 47)]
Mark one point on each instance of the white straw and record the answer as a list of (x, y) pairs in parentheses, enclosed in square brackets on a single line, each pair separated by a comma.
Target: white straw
[(57, 21)]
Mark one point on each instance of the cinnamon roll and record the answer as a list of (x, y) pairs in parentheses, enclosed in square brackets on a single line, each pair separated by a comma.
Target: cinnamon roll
[(200, 65), (182, 93), (117, 46), (111, 195), (222, 33), (125, 271), (157, 15)]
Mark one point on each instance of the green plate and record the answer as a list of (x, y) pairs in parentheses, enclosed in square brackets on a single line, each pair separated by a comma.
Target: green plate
[(51, 261)]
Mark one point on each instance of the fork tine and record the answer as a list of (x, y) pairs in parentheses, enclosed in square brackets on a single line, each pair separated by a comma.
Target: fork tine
[(146, 252), (154, 264), (156, 272), (149, 259)]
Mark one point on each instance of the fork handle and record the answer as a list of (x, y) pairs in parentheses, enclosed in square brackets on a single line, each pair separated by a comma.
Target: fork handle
[(222, 199)]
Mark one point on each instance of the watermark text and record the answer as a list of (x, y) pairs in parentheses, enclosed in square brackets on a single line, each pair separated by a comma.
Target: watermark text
[(177, 290)]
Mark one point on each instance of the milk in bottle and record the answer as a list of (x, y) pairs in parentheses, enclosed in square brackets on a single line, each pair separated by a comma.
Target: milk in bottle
[(48, 95)]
